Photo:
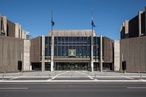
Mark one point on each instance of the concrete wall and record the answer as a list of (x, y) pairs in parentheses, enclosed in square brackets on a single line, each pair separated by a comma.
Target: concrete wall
[(3, 25), (11, 51), (107, 50), (10, 29), (133, 51), (18, 30), (35, 49), (116, 55), (26, 57)]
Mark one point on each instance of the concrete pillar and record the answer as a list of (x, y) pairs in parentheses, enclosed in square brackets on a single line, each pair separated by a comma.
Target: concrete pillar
[(126, 23), (26, 55), (4, 25), (116, 55), (18, 30), (52, 52), (43, 53), (23, 34), (145, 21), (101, 64), (139, 22), (0, 23)]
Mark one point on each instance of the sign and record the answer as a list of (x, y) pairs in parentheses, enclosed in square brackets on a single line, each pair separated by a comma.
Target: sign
[(72, 52)]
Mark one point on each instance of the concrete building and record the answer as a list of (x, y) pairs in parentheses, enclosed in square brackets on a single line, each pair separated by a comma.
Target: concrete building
[(74, 49), (71, 50), (133, 52), (134, 27), (14, 49), (10, 29), (11, 53), (132, 43)]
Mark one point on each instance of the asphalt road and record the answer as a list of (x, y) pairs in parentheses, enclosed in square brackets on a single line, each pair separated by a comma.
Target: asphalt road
[(73, 89)]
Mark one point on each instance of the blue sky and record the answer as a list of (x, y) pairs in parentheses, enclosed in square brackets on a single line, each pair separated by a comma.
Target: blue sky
[(35, 15)]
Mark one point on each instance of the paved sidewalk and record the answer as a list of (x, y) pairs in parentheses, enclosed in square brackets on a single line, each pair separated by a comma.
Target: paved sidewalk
[(72, 76)]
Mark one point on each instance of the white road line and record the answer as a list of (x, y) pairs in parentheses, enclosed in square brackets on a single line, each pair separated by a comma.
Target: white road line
[(58, 75), (15, 88), (128, 77), (15, 78), (86, 75), (136, 87)]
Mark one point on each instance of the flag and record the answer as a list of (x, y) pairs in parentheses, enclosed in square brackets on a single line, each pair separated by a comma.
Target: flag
[(53, 23), (92, 23)]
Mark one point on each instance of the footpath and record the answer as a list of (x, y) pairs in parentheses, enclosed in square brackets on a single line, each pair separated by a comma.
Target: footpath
[(72, 76)]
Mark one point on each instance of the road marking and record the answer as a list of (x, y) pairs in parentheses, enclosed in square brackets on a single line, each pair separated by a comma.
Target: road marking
[(136, 87), (86, 75), (15, 88), (58, 75), (15, 78), (128, 77)]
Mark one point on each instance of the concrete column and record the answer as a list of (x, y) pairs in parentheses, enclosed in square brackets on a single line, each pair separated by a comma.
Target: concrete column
[(26, 55), (92, 52), (101, 64), (23, 34), (116, 55), (16, 30), (145, 21), (126, 29), (43, 53), (139, 22), (4, 25), (0, 23), (52, 52)]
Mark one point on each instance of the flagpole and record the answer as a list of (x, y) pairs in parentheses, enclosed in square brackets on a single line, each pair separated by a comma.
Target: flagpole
[(92, 45), (52, 42), (51, 22)]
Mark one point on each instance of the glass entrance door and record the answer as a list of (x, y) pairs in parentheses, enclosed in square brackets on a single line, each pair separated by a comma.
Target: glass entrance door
[(71, 66)]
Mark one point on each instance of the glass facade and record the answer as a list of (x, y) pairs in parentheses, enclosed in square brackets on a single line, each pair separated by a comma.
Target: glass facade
[(80, 45), (47, 46)]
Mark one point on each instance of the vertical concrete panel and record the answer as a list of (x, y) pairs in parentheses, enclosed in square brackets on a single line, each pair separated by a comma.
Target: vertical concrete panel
[(26, 57), (116, 55), (35, 49), (145, 20), (139, 22), (5, 24), (43, 53), (1, 53), (0, 22)]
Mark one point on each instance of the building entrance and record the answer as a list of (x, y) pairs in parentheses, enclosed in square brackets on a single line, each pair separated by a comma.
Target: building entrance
[(72, 66)]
